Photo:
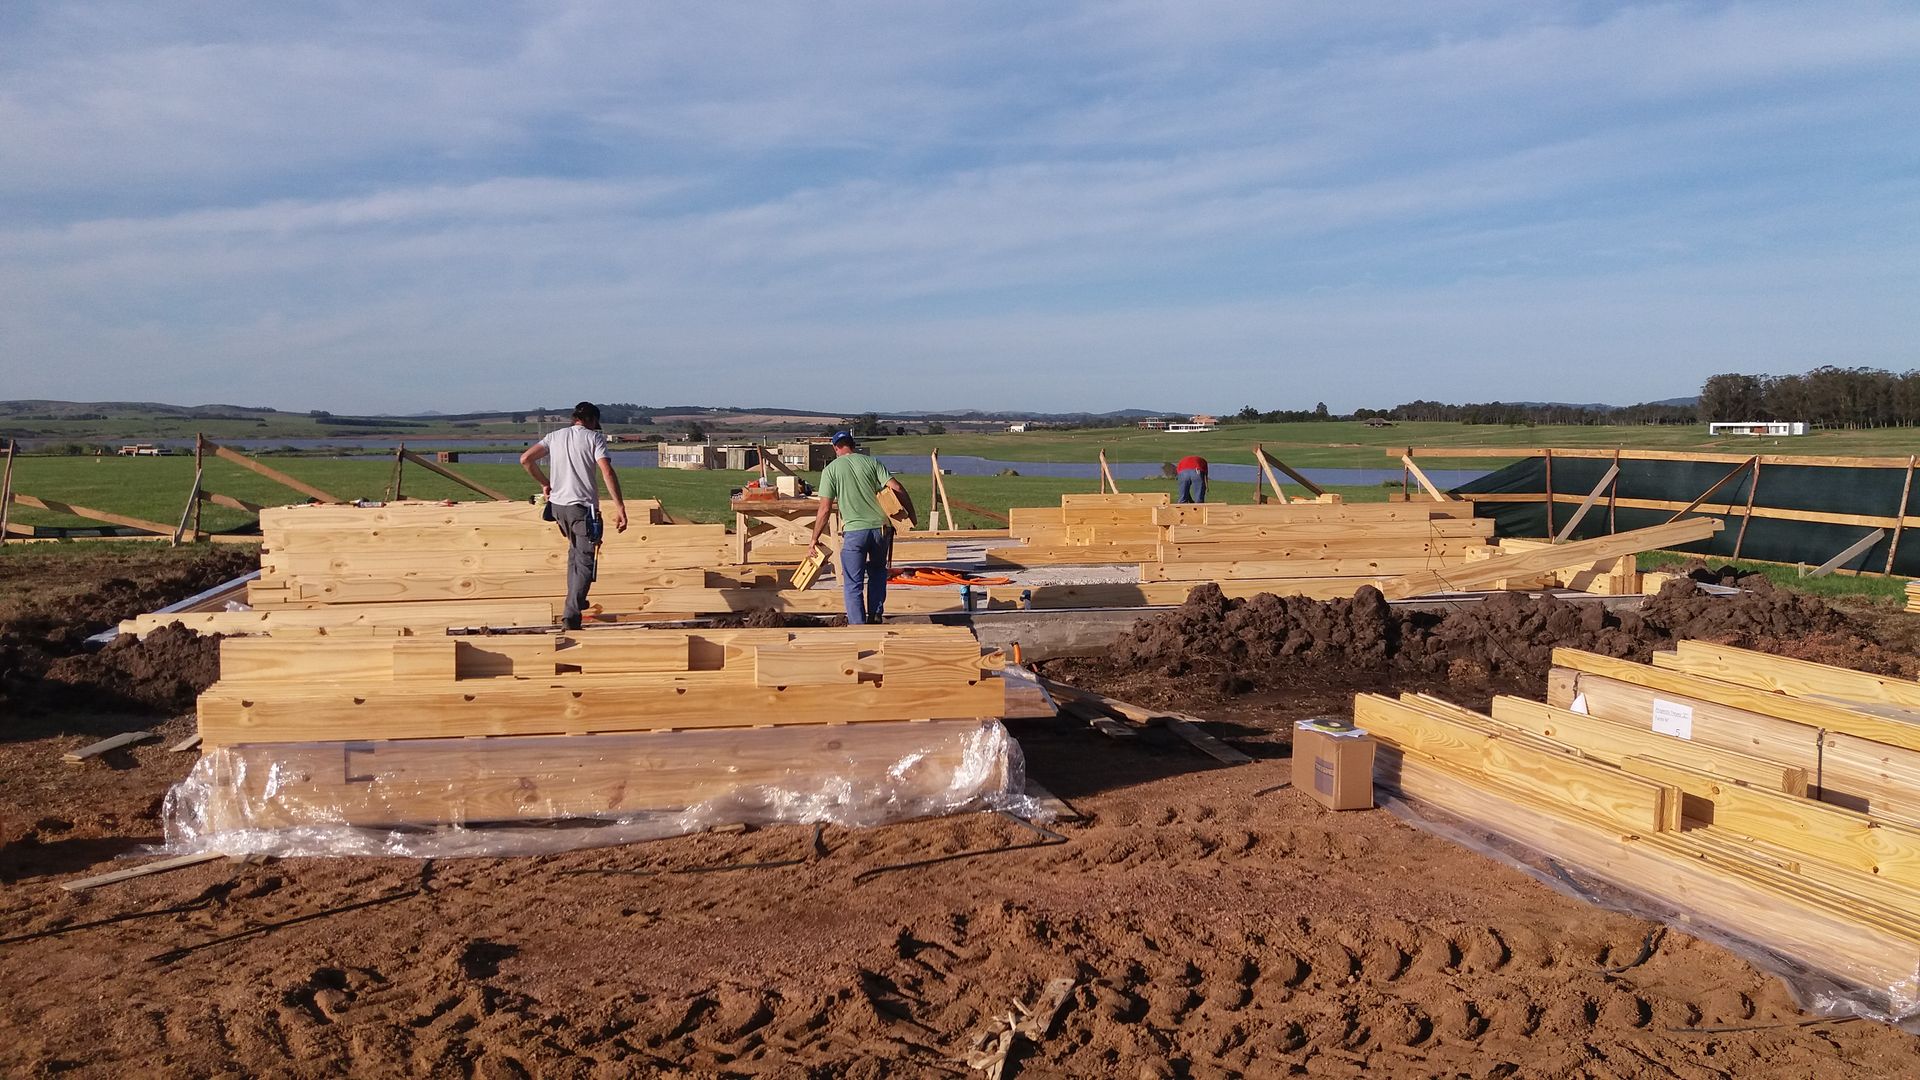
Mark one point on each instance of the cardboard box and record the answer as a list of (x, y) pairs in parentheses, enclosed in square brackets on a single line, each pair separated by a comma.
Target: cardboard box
[(1333, 762)]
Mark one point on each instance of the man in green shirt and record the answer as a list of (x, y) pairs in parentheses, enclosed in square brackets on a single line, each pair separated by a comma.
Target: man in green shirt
[(852, 482)]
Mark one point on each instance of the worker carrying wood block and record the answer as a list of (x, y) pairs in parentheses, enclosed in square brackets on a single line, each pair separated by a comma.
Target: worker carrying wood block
[(852, 483)]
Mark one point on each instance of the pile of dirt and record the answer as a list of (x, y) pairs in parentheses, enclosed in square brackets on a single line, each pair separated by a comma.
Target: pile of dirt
[(163, 672), (45, 667), (1509, 638)]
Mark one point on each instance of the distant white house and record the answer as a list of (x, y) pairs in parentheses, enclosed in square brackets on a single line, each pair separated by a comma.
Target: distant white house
[(1016, 427), (1759, 427), (1179, 429)]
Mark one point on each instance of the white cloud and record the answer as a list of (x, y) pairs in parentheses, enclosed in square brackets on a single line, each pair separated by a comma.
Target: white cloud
[(1068, 197)]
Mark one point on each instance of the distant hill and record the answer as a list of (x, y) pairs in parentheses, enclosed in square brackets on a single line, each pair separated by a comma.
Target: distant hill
[(1601, 406), (51, 408)]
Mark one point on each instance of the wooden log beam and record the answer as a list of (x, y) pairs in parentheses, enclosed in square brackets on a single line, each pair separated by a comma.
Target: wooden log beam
[(1819, 517), (1814, 924), (1629, 803), (1269, 463), (1406, 460), (1107, 482), (1828, 833), (1906, 491), (6, 489), (1852, 551), (933, 765), (1786, 675), (1717, 485), (193, 503), (574, 705), (269, 472), (1613, 742), (972, 509), (230, 502), (1546, 559), (1379, 566), (58, 507), (940, 487), (471, 485), (1713, 724), (1813, 460), (1815, 714), (1606, 479)]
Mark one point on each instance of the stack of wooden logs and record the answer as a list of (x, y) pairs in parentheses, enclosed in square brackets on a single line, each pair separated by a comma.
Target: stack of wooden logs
[(1913, 596), (424, 567), (421, 567), (1773, 801), (381, 730), (1324, 548)]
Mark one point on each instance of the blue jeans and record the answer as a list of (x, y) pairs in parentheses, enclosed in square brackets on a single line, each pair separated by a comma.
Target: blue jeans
[(1193, 486), (864, 554)]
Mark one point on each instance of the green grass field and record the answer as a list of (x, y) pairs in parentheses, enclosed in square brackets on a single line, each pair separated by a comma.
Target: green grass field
[(155, 489), (1352, 445)]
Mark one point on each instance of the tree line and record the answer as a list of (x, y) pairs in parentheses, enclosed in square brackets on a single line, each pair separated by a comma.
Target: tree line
[(1831, 397)]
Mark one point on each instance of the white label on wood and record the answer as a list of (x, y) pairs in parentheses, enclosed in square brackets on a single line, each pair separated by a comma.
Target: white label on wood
[(1673, 718), (1579, 705)]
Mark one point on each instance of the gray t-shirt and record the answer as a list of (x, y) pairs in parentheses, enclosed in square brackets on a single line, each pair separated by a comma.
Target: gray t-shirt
[(572, 453)]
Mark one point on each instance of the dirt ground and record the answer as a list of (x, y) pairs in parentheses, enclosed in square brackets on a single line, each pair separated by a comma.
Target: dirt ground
[(1216, 926)]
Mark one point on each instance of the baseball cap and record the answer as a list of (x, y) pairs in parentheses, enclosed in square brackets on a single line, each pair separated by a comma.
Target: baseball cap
[(843, 437)]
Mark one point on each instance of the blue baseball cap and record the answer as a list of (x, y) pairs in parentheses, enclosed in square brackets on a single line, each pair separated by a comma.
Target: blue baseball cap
[(843, 437)]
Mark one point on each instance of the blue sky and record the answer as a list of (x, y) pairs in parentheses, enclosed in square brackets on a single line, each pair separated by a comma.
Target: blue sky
[(846, 205)]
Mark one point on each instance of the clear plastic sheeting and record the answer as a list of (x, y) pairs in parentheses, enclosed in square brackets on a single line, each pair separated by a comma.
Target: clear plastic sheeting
[(1814, 990), (442, 798)]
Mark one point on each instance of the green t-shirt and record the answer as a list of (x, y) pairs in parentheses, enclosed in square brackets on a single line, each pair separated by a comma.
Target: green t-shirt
[(852, 481)]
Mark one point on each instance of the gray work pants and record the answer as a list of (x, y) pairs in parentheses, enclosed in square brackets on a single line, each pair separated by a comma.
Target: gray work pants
[(577, 523)]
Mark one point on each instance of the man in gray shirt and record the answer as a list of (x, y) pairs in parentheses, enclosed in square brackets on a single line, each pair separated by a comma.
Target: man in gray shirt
[(575, 502)]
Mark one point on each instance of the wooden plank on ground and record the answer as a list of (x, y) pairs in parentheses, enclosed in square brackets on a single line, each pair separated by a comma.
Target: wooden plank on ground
[(1206, 743), (161, 866), (107, 745)]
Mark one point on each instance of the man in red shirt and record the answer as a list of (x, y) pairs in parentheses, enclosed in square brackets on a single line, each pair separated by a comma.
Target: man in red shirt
[(1192, 471)]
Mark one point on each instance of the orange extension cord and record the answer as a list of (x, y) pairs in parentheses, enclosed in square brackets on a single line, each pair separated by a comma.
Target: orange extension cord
[(933, 575)]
